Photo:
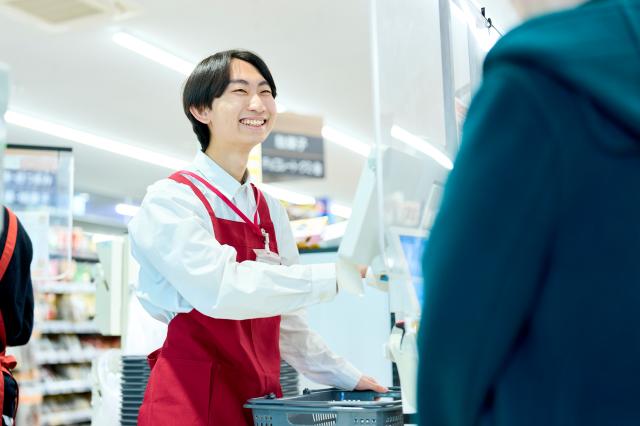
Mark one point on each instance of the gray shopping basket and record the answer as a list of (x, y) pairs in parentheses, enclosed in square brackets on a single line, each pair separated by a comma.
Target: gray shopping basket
[(329, 407)]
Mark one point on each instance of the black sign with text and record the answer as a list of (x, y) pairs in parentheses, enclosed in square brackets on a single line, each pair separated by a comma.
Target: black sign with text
[(285, 154)]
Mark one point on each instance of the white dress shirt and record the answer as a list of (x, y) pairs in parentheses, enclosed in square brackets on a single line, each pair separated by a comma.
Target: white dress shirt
[(183, 266)]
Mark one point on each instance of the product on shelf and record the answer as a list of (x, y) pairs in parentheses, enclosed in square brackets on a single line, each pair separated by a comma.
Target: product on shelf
[(65, 339), (61, 410)]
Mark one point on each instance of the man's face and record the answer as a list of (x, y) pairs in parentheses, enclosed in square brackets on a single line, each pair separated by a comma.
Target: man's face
[(246, 111), (530, 8)]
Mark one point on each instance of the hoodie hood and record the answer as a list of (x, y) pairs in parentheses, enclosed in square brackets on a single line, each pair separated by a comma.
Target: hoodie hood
[(594, 50)]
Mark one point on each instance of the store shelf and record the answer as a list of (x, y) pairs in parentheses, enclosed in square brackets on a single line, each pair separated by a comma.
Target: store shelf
[(79, 257), (318, 250), (112, 226), (59, 287), (85, 258), (65, 387), (66, 357), (66, 417), (62, 327)]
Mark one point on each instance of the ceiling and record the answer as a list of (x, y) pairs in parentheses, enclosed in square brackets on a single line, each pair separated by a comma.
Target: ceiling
[(318, 52)]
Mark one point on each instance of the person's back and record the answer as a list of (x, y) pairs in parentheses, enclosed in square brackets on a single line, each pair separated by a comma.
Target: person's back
[(16, 305), (533, 269)]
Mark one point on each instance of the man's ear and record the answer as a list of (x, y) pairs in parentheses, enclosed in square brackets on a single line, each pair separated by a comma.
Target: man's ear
[(201, 114)]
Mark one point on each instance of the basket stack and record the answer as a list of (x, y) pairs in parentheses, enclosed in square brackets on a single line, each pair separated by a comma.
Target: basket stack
[(135, 374)]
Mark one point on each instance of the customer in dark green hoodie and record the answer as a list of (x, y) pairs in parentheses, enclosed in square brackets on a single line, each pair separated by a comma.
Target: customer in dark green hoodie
[(532, 272)]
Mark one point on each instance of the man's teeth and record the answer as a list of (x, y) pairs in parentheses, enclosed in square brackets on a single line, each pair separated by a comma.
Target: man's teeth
[(256, 123)]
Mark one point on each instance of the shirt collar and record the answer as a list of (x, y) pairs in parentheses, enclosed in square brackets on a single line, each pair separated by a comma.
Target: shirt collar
[(219, 177)]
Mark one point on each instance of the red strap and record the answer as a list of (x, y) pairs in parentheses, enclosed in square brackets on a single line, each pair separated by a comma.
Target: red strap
[(256, 192), (7, 362), (10, 244), (183, 180)]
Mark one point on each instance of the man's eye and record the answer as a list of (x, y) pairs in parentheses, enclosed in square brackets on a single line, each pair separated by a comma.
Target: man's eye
[(239, 91), (266, 92)]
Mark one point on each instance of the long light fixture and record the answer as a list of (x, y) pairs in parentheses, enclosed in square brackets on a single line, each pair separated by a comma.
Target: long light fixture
[(346, 141), (162, 57), (128, 150), (184, 67), (126, 209), (421, 145), (340, 210), (152, 52), (94, 141), (286, 195)]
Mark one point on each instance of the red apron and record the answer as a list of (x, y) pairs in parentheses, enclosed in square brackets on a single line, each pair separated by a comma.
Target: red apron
[(208, 368), (7, 363)]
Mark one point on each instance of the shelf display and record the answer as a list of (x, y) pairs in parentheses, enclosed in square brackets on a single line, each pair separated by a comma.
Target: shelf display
[(38, 187), (54, 368), (67, 339)]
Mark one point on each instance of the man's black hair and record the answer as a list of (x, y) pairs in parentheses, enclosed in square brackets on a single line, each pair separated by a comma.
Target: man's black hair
[(210, 79)]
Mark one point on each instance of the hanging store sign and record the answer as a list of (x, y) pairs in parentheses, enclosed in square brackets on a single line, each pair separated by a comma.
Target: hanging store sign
[(287, 154)]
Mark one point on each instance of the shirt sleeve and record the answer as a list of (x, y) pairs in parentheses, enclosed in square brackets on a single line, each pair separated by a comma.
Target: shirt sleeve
[(488, 250), (301, 347), (173, 234), (305, 351)]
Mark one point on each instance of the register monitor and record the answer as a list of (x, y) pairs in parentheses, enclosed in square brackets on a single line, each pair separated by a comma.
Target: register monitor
[(411, 191)]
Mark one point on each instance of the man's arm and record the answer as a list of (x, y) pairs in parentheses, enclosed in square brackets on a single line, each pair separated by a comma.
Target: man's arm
[(307, 352), (172, 234)]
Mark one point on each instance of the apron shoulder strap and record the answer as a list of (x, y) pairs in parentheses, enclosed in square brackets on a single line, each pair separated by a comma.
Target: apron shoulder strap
[(263, 207), (10, 243), (180, 178)]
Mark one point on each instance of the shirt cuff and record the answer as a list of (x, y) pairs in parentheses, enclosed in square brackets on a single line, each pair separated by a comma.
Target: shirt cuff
[(323, 281), (348, 378)]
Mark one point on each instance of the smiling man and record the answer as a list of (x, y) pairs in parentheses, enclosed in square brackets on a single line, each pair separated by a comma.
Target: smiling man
[(218, 262)]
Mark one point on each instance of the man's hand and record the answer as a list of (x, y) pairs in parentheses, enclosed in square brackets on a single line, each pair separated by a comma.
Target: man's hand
[(369, 383), (363, 270), (349, 277)]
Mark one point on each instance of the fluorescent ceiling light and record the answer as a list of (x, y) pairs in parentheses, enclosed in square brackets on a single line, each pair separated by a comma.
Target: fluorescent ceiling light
[(348, 142), (152, 52), (162, 57), (127, 150), (99, 238), (94, 141), (79, 204), (286, 195), (126, 209), (421, 145), (184, 67), (340, 210)]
